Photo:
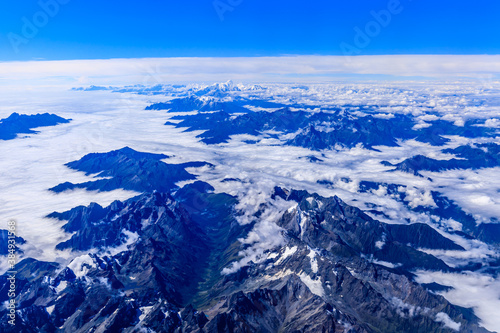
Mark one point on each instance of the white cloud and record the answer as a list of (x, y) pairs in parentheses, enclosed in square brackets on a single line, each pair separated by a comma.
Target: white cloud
[(265, 235), (416, 197), (380, 243), (480, 292), (108, 121), (447, 321), (492, 122), (420, 125), (406, 310), (153, 70), (386, 263), (475, 191)]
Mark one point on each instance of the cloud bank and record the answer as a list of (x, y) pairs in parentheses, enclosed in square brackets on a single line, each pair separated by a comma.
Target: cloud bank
[(285, 68)]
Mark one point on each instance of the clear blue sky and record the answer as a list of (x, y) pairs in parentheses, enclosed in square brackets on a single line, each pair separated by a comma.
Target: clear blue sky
[(90, 29)]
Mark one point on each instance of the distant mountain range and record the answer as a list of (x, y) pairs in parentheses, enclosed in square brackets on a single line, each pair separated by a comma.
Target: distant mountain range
[(316, 131)]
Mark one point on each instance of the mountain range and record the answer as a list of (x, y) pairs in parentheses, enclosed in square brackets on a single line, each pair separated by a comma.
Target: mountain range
[(257, 208), (182, 265)]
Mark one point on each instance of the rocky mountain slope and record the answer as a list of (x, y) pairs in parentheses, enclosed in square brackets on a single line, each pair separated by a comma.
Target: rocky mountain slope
[(182, 260)]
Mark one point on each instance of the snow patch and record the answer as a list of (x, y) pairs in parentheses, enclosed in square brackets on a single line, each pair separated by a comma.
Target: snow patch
[(315, 286), (145, 310), (82, 264), (50, 309), (289, 251), (61, 286), (314, 261), (132, 237), (272, 255)]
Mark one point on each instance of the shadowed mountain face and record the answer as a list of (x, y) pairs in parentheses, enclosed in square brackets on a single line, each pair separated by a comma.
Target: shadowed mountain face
[(485, 155), (130, 170), (316, 131), (5, 236), (175, 261), (23, 124)]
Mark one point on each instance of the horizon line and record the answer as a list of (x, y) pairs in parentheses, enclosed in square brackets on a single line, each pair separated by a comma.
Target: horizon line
[(261, 68), (267, 56)]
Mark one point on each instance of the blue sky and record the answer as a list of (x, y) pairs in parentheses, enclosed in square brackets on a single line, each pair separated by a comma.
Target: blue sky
[(124, 29)]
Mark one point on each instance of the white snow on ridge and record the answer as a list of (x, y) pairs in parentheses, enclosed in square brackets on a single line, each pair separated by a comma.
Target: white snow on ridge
[(314, 260), (82, 264), (289, 251), (145, 310), (50, 309), (315, 286), (61, 286)]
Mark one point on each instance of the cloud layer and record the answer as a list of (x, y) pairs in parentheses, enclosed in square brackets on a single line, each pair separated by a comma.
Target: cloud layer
[(285, 68)]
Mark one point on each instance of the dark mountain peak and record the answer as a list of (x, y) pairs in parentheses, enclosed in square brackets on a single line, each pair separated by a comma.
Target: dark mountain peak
[(4, 245), (23, 124), (312, 132), (129, 170), (13, 116), (97, 162)]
